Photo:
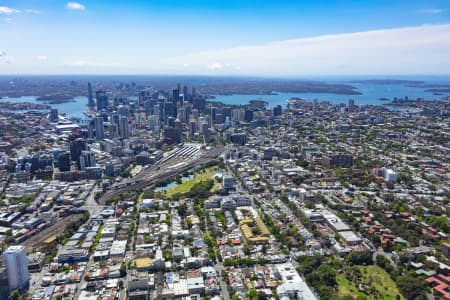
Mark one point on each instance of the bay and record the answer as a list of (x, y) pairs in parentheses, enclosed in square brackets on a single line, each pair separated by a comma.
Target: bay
[(370, 94)]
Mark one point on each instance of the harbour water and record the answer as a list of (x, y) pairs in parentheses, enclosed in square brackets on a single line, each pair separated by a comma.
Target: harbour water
[(370, 94)]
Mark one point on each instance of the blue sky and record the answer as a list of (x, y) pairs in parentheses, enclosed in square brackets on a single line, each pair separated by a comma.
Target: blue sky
[(224, 37)]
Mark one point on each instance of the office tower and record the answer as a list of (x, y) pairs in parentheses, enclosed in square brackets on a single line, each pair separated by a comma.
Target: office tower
[(236, 115), (175, 97), (277, 110), (174, 135), (219, 119), (181, 114), (87, 159), (4, 290), (154, 122), (113, 131), (192, 127), (54, 115), (64, 162), (226, 112), (248, 115), (16, 263), (76, 147), (314, 107), (199, 103), (213, 114), (185, 94), (99, 130), (169, 110), (123, 110), (188, 109), (102, 100), (146, 95), (351, 105), (123, 128), (91, 102)]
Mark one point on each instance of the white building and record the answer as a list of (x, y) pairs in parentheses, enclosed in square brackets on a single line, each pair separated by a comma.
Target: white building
[(15, 260), (390, 175)]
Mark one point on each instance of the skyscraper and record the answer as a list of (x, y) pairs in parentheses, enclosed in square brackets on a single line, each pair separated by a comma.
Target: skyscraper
[(123, 128), (175, 97), (314, 107), (102, 100), (185, 94), (87, 159), (99, 130), (4, 291), (76, 147), (351, 105), (54, 115), (91, 102), (64, 162), (16, 263)]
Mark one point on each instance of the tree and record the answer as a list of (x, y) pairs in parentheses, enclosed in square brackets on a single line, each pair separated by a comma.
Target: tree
[(120, 284), (411, 286), (123, 269), (15, 295), (253, 294)]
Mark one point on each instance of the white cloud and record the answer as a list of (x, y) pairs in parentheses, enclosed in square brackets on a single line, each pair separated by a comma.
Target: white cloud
[(432, 11), (8, 20), (32, 11), (215, 66), (42, 57), (409, 50), (89, 63), (75, 6), (8, 10), (5, 58)]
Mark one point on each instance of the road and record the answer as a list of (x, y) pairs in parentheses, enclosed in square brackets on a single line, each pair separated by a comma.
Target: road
[(223, 285)]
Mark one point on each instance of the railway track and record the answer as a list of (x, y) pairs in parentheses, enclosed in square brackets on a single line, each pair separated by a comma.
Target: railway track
[(173, 166)]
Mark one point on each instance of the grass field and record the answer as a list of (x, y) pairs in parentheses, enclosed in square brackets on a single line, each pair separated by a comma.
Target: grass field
[(379, 284), (185, 187)]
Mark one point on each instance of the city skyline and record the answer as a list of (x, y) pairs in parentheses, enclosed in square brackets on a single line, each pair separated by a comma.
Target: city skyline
[(283, 38)]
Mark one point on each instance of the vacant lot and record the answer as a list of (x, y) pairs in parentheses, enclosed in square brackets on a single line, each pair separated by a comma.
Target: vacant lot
[(186, 186), (373, 283)]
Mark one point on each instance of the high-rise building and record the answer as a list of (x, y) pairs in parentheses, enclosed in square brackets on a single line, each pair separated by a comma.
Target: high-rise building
[(64, 162), (154, 122), (76, 147), (99, 130), (91, 102), (277, 110), (199, 103), (351, 105), (175, 97), (185, 94), (54, 115), (213, 114), (248, 115), (102, 100), (4, 290), (16, 263), (87, 159), (123, 128), (314, 107)]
